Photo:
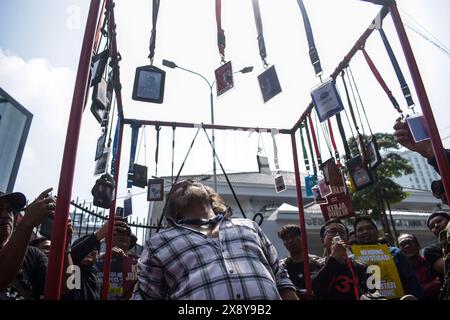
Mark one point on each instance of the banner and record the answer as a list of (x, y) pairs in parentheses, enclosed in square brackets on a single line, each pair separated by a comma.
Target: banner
[(379, 255)]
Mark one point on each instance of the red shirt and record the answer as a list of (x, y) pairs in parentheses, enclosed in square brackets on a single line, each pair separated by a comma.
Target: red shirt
[(428, 279)]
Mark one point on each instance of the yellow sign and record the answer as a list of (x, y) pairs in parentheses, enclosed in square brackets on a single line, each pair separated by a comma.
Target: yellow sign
[(379, 255)]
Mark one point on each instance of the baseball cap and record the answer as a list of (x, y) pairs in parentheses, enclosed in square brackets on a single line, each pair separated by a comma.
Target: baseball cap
[(16, 199)]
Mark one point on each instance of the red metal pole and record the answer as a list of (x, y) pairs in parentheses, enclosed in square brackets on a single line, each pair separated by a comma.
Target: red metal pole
[(203, 125), (112, 211), (56, 261), (117, 88), (436, 141), (301, 218)]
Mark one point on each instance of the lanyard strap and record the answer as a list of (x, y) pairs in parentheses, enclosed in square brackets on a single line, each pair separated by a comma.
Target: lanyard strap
[(134, 138), (333, 143), (383, 84), (313, 135), (220, 32), (275, 151), (348, 154), (305, 154), (114, 148), (158, 129), (313, 54), (153, 36), (401, 79), (349, 101), (173, 151), (308, 137), (259, 29)]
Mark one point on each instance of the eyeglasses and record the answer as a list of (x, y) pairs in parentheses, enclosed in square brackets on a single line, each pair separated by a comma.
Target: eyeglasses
[(334, 232), (409, 242)]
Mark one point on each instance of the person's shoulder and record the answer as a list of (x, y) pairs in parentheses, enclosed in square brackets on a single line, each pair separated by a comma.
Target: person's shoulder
[(35, 253)]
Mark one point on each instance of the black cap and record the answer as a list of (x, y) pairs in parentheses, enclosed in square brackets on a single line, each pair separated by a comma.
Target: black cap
[(17, 200), (437, 213)]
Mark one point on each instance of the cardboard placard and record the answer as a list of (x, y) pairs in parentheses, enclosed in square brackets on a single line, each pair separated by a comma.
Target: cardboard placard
[(379, 255), (339, 204)]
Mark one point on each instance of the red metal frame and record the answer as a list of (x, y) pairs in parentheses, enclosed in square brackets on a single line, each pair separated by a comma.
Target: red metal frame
[(438, 148), (301, 218), (53, 284), (56, 261)]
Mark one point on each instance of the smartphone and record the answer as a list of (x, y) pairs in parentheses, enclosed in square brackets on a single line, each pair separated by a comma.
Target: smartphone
[(46, 227)]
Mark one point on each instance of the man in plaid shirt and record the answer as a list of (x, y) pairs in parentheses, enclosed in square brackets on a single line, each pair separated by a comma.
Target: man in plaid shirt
[(205, 255)]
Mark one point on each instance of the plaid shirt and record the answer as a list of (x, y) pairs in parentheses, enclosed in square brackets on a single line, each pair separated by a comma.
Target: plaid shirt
[(181, 263)]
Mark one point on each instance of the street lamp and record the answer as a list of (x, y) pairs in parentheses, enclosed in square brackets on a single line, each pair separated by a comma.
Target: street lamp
[(173, 65)]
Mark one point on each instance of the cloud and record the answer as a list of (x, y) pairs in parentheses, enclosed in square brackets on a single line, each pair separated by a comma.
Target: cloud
[(46, 92)]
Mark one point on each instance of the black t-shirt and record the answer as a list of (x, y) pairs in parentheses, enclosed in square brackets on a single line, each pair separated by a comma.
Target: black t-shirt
[(335, 281), (432, 253), (297, 272), (30, 280)]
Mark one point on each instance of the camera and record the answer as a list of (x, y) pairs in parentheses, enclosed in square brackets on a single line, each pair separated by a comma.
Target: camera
[(46, 227)]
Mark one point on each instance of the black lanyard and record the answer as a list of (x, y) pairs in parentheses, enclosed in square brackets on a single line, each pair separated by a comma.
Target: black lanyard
[(401, 79), (313, 54), (259, 29), (220, 32), (153, 36)]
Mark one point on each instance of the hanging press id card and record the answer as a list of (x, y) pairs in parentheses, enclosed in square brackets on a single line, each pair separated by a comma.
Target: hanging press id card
[(326, 100), (269, 84), (418, 127), (224, 78), (280, 186)]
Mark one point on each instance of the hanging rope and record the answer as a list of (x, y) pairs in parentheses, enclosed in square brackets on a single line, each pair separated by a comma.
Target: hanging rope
[(325, 136), (226, 176)]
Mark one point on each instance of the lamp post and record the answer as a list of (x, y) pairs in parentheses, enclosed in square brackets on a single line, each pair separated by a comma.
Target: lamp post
[(173, 65)]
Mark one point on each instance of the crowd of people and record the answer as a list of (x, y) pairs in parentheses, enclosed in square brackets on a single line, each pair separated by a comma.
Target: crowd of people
[(205, 254)]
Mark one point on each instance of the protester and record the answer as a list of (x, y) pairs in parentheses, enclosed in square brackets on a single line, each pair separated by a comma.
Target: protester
[(205, 255), (340, 276), (433, 254), (123, 272), (84, 252), (294, 263), (366, 232), (429, 280), (22, 267), (42, 243)]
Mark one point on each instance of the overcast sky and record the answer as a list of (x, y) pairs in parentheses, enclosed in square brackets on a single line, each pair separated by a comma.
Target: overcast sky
[(40, 43)]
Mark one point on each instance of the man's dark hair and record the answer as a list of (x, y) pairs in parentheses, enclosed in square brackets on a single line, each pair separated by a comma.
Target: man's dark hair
[(37, 241), (363, 218), (437, 213), (289, 229), (322, 230)]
